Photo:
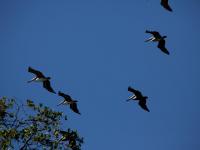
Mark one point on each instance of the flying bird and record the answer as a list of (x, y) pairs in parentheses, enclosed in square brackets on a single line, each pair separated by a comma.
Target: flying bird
[(165, 4), (41, 78), (158, 38), (137, 95), (69, 101)]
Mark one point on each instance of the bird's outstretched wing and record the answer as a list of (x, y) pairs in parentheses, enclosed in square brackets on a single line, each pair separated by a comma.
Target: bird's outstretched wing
[(135, 92), (143, 105), (161, 46), (65, 96), (73, 106), (154, 33), (165, 4), (36, 72), (47, 85)]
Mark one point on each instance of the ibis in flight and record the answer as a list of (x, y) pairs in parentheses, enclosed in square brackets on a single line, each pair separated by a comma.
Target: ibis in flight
[(137, 96), (69, 101), (41, 78), (156, 37)]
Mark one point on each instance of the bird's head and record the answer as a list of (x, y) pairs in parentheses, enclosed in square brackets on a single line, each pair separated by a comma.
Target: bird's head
[(164, 37), (48, 78), (75, 101)]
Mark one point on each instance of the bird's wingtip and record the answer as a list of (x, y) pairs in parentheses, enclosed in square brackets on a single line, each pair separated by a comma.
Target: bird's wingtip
[(147, 110), (167, 53), (127, 100)]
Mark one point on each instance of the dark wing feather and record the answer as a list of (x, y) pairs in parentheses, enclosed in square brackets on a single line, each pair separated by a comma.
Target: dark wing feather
[(73, 106), (142, 104), (165, 4), (47, 85), (65, 96), (135, 92), (154, 33), (36, 72), (161, 46)]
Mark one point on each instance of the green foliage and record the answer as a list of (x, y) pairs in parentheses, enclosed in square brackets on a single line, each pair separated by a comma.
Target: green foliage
[(34, 126)]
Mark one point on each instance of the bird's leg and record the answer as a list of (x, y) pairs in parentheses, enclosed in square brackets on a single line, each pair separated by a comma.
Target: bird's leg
[(62, 102), (150, 39), (131, 97), (32, 80)]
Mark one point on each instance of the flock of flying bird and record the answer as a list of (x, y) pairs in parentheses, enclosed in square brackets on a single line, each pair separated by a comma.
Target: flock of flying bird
[(156, 37), (137, 95), (39, 77)]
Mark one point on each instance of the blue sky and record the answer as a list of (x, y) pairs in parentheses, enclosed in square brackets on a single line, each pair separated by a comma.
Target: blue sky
[(94, 50)]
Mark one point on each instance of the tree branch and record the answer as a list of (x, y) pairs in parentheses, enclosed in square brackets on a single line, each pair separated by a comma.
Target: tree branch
[(26, 143)]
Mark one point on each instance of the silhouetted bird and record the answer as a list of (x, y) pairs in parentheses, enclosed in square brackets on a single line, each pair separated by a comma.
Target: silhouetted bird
[(158, 38), (69, 101), (71, 137), (165, 4), (66, 135), (137, 95), (41, 78)]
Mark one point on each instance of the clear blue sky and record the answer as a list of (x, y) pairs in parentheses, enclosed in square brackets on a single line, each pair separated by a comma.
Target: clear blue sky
[(94, 50)]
